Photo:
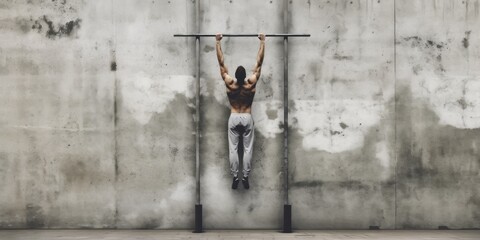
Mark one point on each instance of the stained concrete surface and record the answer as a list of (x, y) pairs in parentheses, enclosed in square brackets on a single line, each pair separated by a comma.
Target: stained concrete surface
[(342, 115), (438, 114), (97, 117), (57, 119)]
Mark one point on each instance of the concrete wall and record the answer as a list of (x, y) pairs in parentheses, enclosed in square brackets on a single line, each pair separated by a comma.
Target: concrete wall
[(438, 114), (97, 114), (57, 140), (343, 115)]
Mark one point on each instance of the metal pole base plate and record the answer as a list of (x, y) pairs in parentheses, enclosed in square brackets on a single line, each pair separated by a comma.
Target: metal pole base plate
[(198, 219), (287, 218)]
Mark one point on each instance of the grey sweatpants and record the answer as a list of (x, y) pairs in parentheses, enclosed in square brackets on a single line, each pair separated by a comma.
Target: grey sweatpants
[(240, 124)]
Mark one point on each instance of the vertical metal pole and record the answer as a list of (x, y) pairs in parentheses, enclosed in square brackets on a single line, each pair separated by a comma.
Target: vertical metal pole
[(198, 205), (287, 208), (285, 117), (197, 122)]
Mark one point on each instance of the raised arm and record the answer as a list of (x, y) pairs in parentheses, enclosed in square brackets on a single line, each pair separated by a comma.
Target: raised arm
[(223, 69), (258, 65)]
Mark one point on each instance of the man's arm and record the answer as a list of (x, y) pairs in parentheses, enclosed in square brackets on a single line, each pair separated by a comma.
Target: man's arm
[(258, 66), (223, 69)]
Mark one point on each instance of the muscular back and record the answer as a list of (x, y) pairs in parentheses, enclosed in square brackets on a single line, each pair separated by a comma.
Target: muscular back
[(241, 97)]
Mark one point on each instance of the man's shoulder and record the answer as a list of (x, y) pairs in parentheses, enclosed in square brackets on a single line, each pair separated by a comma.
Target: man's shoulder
[(232, 87), (249, 87)]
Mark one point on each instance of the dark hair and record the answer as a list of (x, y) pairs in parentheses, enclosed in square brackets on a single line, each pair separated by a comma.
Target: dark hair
[(240, 75)]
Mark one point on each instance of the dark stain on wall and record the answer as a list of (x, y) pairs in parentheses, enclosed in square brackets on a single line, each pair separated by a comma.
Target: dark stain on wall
[(309, 184), (466, 39), (419, 42), (266, 86), (75, 172), (113, 56), (116, 104), (60, 1), (272, 114), (431, 43), (27, 66), (354, 185), (150, 224), (63, 29), (173, 151), (208, 48), (113, 66), (37, 25), (58, 30), (316, 69), (251, 207), (474, 201), (426, 156), (411, 165), (332, 132), (350, 185), (433, 159), (80, 173), (462, 103), (172, 48), (228, 23), (176, 116), (34, 215), (23, 24), (432, 51), (339, 57)]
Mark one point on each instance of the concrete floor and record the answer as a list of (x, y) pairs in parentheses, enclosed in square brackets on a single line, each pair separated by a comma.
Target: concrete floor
[(237, 234)]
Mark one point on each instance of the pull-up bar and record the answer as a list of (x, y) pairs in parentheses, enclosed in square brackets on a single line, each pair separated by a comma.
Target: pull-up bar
[(243, 35)]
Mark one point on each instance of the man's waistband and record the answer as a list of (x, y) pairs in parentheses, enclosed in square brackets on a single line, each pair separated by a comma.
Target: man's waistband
[(234, 113)]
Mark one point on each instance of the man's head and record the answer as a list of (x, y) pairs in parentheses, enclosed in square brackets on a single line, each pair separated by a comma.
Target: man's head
[(240, 75)]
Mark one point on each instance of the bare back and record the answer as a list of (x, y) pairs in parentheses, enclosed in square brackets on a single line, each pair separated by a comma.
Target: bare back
[(241, 97)]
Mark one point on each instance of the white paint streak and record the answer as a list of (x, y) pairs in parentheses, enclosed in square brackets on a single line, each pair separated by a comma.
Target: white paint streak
[(320, 123), (144, 94), (454, 99), (382, 154)]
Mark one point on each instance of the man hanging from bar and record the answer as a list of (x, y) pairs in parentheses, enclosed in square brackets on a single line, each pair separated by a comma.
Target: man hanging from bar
[(240, 92)]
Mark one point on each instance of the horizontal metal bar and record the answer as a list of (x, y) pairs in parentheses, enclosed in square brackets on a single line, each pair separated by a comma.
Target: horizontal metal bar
[(244, 35)]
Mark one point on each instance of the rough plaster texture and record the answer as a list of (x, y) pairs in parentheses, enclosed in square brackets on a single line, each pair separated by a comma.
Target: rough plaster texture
[(97, 114)]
